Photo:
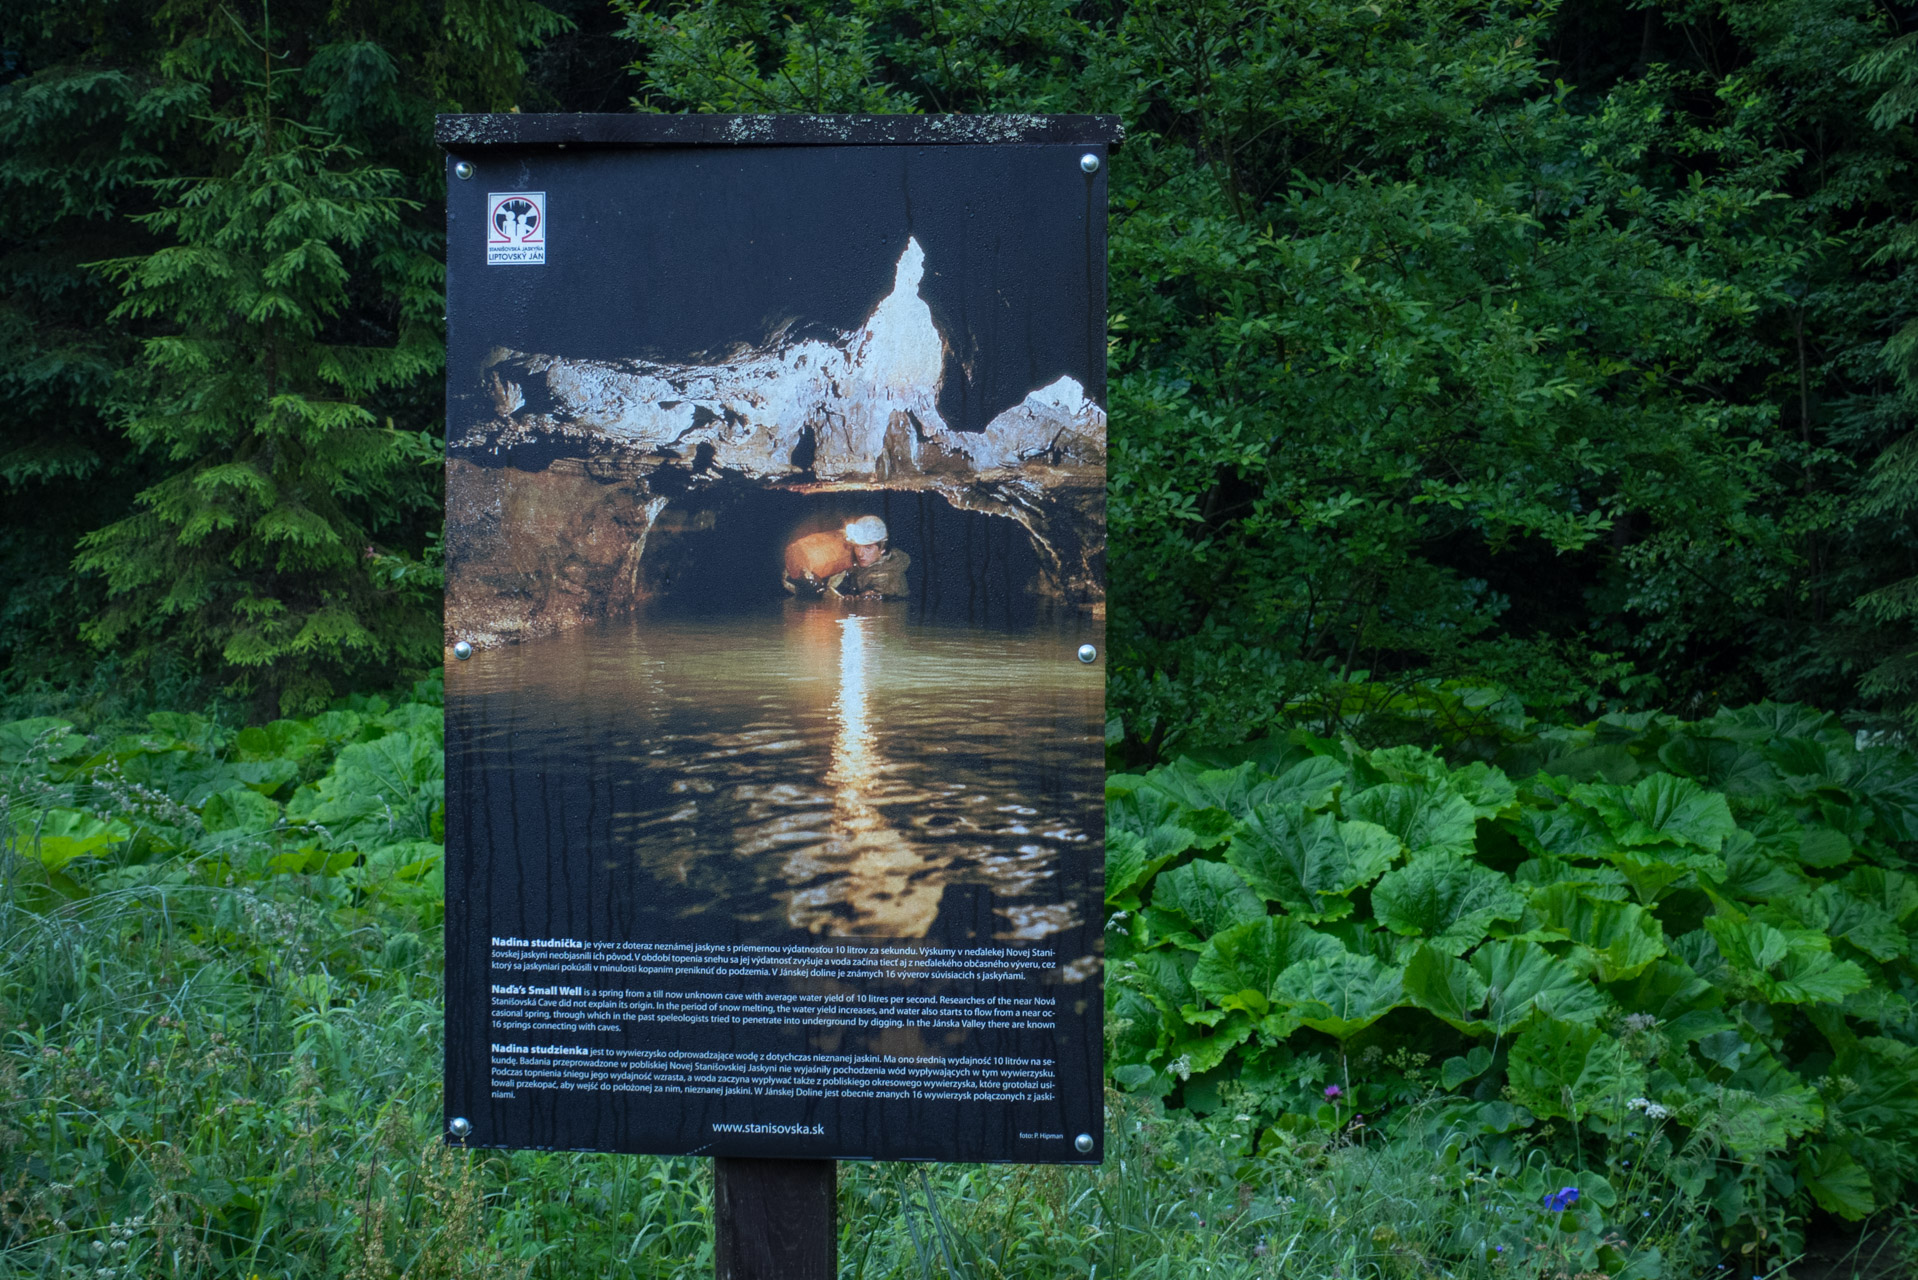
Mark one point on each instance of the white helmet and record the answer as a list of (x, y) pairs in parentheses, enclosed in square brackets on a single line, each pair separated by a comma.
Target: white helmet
[(866, 531)]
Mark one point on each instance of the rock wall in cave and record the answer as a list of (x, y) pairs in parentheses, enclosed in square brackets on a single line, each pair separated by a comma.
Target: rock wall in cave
[(565, 464)]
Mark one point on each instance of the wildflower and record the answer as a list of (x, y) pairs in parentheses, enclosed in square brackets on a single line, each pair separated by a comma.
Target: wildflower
[(1562, 1199), (1333, 1093)]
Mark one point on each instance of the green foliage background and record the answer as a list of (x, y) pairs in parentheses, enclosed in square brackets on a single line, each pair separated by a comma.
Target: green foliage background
[(1689, 944), (1534, 344), (1566, 347), (1397, 1005)]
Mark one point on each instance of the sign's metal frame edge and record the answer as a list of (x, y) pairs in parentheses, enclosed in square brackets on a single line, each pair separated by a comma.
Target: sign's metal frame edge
[(466, 132)]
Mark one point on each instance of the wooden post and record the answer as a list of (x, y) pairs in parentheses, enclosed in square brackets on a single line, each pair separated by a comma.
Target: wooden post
[(775, 1219)]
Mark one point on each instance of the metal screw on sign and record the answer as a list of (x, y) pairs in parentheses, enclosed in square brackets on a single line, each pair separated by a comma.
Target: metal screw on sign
[(1088, 163), (1087, 653), (460, 1127), (463, 170), (1083, 1143), (462, 651)]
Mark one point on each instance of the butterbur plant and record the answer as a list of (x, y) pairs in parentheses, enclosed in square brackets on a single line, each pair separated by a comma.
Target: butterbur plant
[(356, 794), (1679, 952)]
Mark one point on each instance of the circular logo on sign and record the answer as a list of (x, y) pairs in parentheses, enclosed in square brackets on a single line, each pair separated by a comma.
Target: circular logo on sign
[(516, 221)]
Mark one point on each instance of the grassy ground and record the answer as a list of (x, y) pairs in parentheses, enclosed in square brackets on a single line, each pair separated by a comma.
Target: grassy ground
[(212, 1069)]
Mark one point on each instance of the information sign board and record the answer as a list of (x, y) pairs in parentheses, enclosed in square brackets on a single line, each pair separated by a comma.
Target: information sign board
[(775, 601)]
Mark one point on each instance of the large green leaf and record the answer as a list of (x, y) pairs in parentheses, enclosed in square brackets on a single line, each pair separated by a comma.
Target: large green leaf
[(1311, 783), (1447, 987), (1198, 789), (1888, 780), (1203, 1050), (1307, 863), (1807, 764), (1566, 831), (1699, 953), (1240, 967), (1403, 764), (1893, 892), (1340, 994), (1485, 787), (1753, 873), (1164, 977), (1131, 859), (1617, 940), (1600, 762), (1595, 882), (1467, 1066), (380, 792), (1865, 925), (292, 740), (1770, 721), (1836, 1181), (1666, 990), (1787, 966), (1207, 896), (1822, 847), (1132, 805), (1763, 1106), (44, 740), (1884, 1100), (1427, 818), (55, 837), (241, 810), (1134, 1026), (1652, 873), (1721, 764), (1524, 980), (1447, 901), (1661, 810), (1573, 1071)]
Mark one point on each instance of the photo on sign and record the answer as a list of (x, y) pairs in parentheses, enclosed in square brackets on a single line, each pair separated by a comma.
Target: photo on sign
[(837, 622)]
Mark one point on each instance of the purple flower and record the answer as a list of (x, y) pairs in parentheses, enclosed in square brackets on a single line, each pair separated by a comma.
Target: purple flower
[(1562, 1199), (1333, 1092)]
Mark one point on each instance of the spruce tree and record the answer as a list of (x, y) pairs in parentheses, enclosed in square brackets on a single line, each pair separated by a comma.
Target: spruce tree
[(287, 391)]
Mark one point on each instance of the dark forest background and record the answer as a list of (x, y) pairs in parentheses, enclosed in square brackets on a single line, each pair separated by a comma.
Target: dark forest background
[(1464, 354)]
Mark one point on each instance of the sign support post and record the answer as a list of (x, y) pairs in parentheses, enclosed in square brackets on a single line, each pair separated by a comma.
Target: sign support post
[(775, 1219)]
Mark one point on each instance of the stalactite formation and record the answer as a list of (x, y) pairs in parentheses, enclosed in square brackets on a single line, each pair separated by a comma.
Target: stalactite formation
[(568, 463)]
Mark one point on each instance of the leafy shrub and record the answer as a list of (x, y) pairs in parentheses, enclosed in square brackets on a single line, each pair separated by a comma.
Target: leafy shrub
[(358, 791), (1647, 946)]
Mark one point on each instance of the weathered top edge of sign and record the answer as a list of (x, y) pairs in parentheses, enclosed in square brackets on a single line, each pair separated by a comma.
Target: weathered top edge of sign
[(464, 132)]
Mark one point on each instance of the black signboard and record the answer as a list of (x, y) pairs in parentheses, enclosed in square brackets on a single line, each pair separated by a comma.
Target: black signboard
[(775, 582)]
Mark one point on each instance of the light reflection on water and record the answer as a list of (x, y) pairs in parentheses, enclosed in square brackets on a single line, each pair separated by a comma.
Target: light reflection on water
[(831, 768)]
